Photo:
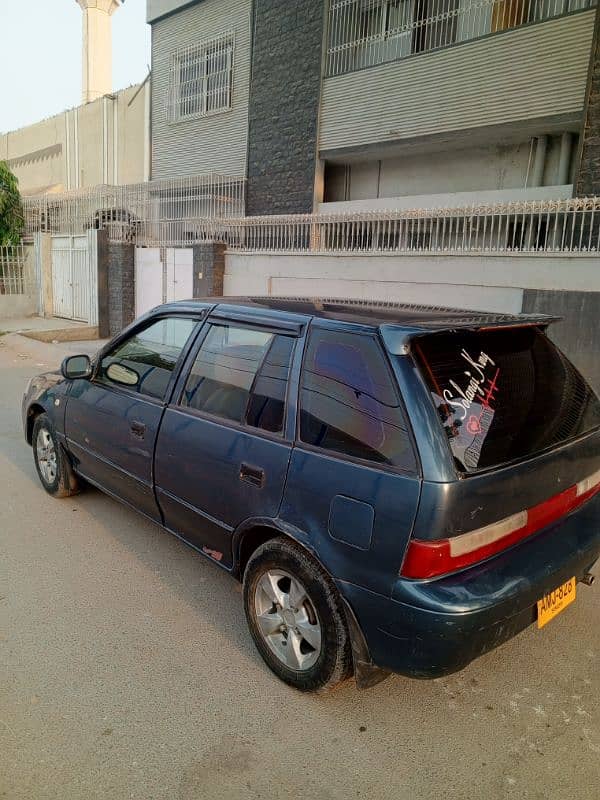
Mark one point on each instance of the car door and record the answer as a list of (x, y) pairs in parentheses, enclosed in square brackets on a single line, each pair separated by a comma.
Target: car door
[(111, 421), (353, 484), (224, 445)]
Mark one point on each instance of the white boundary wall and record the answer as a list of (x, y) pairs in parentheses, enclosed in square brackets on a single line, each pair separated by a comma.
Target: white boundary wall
[(488, 282)]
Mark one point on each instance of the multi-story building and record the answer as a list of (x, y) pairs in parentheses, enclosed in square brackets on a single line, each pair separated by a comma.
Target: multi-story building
[(346, 104)]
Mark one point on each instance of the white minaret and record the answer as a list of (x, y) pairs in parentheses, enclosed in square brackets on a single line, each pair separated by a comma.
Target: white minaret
[(97, 47)]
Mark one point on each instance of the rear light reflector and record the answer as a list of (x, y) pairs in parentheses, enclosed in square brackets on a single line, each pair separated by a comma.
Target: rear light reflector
[(587, 485), (429, 559)]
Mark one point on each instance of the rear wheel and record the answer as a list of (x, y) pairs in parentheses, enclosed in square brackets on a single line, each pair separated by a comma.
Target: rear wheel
[(296, 617), (53, 467)]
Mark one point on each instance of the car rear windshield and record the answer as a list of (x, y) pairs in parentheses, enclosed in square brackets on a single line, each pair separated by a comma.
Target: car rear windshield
[(504, 394)]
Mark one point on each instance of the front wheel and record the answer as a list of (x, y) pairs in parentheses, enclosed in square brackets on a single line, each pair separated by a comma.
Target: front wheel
[(53, 467), (296, 618)]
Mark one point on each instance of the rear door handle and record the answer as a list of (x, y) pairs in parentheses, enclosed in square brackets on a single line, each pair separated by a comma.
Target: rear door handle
[(138, 429), (252, 475)]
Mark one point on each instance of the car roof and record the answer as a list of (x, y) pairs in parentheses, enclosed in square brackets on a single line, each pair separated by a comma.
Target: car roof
[(411, 317)]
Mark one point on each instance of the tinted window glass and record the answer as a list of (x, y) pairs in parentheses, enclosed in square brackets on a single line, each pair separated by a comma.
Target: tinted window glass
[(241, 375), (504, 395), (144, 362), (348, 402)]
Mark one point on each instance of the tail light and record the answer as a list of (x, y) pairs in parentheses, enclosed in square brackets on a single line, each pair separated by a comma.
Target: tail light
[(429, 559)]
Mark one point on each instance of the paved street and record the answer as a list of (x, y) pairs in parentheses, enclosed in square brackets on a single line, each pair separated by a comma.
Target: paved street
[(126, 671)]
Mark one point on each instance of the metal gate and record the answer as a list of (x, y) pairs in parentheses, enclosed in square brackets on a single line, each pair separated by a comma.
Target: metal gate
[(75, 277), (162, 275)]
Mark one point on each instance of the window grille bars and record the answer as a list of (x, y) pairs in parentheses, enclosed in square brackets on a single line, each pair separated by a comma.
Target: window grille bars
[(363, 33), (16, 272), (201, 79)]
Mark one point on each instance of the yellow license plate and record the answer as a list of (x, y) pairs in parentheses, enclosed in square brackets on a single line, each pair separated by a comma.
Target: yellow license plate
[(556, 601)]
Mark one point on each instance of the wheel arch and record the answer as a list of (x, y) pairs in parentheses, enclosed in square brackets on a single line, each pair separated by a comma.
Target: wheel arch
[(33, 412), (253, 533)]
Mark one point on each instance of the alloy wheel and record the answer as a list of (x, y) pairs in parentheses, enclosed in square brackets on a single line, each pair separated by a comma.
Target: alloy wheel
[(46, 456), (287, 620)]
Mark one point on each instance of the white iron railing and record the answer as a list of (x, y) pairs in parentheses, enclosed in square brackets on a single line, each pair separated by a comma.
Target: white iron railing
[(562, 226), (362, 33), (16, 271), (125, 207)]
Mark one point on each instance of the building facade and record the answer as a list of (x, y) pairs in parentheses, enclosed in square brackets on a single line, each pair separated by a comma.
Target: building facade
[(331, 105), (106, 141)]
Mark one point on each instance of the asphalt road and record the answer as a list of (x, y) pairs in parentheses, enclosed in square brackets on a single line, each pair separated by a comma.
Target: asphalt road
[(126, 671)]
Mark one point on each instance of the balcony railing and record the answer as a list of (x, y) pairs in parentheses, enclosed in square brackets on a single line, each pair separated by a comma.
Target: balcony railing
[(561, 226), (363, 33)]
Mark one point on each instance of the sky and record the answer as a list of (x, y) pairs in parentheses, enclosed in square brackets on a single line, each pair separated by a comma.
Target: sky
[(40, 56)]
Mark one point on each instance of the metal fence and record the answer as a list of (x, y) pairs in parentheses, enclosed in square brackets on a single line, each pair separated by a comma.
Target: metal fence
[(565, 226), (16, 271), (363, 33), (124, 208)]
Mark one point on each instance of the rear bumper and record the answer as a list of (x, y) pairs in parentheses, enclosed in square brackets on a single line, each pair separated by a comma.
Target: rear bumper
[(436, 627)]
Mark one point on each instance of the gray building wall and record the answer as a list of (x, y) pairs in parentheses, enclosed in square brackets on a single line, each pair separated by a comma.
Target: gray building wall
[(578, 333), (284, 104), (160, 8), (216, 143), (533, 72), (495, 166)]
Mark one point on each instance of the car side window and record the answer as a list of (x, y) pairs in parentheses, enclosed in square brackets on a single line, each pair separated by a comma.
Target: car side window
[(241, 375), (348, 402), (144, 362)]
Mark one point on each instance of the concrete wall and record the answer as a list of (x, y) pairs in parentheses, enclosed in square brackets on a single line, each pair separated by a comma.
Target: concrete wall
[(568, 286), (77, 147), (578, 334), (284, 104), (501, 167), (15, 306)]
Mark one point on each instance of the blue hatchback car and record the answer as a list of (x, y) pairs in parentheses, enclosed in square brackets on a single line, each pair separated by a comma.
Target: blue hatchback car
[(399, 488)]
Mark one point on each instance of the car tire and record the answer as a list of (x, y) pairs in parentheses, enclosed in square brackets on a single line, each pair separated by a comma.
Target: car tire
[(296, 617), (53, 467)]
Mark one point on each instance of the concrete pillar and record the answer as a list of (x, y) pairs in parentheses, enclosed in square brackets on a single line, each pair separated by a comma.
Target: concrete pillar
[(97, 47), (587, 175), (209, 269), (43, 242), (116, 286)]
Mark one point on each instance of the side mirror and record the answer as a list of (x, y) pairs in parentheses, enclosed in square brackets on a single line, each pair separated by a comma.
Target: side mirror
[(76, 367)]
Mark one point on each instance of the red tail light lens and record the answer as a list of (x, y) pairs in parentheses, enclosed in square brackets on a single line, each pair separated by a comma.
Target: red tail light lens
[(429, 559)]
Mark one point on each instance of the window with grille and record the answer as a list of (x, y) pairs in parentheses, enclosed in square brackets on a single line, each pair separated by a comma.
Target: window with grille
[(201, 79)]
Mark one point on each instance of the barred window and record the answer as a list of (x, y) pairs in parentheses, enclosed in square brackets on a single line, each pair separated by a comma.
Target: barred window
[(363, 33), (201, 79)]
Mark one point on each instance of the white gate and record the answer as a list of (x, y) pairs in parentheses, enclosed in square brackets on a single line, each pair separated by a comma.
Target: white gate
[(75, 277), (148, 279), (159, 282), (180, 274)]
